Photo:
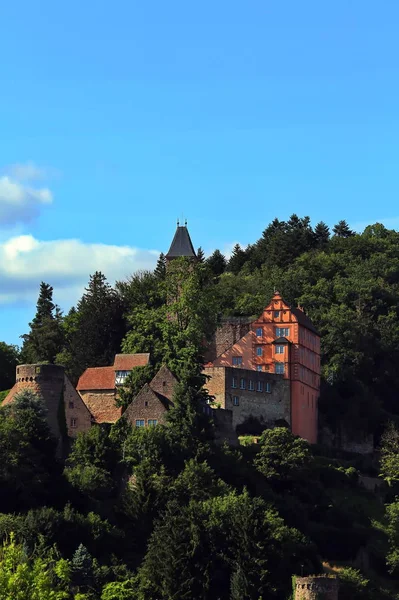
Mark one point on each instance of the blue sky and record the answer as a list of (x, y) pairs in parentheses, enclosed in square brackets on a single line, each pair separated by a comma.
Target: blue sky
[(118, 117)]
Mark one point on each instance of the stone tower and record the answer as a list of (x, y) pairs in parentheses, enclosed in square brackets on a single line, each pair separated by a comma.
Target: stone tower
[(66, 412), (181, 245), (316, 587), (46, 381)]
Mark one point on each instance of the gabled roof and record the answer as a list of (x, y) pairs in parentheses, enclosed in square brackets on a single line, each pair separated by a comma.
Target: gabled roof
[(181, 244), (126, 362), (281, 340), (149, 394), (97, 378), (304, 320)]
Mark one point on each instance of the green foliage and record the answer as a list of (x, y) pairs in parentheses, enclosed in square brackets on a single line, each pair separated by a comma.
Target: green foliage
[(353, 585), (94, 330), (136, 379), (40, 578), (389, 454), (392, 511), (9, 357), (282, 455), (45, 339)]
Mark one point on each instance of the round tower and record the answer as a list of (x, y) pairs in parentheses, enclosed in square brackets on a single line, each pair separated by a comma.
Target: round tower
[(316, 587), (47, 381)]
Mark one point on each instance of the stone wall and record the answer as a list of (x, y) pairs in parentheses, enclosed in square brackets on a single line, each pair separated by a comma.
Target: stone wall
[(230, 330), (146, 406), (268, 407), (101, 404), (47, 381), (77, 415), (224, 431), (316, 588), (164, 382)]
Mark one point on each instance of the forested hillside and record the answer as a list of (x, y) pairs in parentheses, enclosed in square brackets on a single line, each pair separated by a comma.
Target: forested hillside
[(165, 513)]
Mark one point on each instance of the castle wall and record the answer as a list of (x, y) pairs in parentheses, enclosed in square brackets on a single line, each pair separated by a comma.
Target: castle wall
[(316, 588), (227, 386)]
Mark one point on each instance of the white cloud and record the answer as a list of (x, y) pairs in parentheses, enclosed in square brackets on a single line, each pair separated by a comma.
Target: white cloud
[(64, 264), (27, 171), (20, 202)]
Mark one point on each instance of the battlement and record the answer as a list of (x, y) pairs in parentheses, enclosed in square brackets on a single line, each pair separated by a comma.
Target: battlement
[(39, 372), (316, 587)]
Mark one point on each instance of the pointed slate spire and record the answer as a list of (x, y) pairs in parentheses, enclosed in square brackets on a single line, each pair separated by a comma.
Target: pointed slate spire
[(181, 244)]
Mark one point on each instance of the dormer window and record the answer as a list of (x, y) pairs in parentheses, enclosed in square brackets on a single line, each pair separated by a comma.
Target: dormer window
[(120, 377)]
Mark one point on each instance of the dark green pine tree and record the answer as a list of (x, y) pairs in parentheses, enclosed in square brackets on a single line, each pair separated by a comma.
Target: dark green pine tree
[(160, 269), (200, 255), (321, 235), (217, 263), (45, 339), (237, 260), (342, 229), (94, 331)]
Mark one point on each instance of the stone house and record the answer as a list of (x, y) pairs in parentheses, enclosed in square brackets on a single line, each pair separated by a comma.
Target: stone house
[(98, 386), (153, 401)]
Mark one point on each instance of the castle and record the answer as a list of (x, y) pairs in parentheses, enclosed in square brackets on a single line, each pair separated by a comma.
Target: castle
[(265, 369)]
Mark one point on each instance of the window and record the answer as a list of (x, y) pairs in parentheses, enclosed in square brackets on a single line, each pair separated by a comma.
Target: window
[(234, 382), (146, 403), (120, 377), (152, 422), (268, 387), (259, 351), (259, 386), (71, 404), (236, 401), (140, 422), (282, 331), (259, 332), (237, 361), (74, 423), (259, 367), (251, 385), (279, 368), (37, 370), (276, 314), (242, 383), (280, 349)]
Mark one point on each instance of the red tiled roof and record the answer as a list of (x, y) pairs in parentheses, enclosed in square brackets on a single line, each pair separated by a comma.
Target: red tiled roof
[(126, 362), (97, 378)]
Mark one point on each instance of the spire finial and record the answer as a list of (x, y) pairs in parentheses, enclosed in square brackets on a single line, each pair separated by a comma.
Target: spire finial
[(185, 223), (178, 222)]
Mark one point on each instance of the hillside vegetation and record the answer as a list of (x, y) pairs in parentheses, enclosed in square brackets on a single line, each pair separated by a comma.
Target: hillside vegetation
[(164, 513)]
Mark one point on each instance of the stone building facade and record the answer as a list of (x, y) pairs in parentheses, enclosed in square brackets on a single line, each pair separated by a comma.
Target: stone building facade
[(316, 588), (152, 403), (248, 393), (62, 402), (282, 340)]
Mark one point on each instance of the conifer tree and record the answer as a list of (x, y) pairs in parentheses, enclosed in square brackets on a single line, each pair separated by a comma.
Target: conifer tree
[(217, 263), (160, 269), (45, 338), (200, 255), (237, 259), (94, 330), (342, 229), (321, 235)]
